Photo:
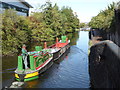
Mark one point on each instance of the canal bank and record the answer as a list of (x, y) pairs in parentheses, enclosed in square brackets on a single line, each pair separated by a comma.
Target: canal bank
[(70, 72), (104, 62)]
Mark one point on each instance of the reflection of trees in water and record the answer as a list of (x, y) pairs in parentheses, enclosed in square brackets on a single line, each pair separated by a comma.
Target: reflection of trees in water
[(6, 62), (73, 37), (9, 64), (32, 84)]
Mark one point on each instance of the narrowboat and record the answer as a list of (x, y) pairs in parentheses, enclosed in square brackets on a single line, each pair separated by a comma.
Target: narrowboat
[(38, 62), (41, 59), (59, 48), (65, 55)]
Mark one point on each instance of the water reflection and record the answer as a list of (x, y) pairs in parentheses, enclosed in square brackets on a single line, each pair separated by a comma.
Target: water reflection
[(73, 38)]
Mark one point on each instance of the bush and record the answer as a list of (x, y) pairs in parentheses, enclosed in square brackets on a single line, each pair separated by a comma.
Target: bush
[(15, 32)]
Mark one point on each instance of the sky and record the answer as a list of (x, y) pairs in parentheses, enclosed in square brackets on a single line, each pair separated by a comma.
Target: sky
[(85, 9)]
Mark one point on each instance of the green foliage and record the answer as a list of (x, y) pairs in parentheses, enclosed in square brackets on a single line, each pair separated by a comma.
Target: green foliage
[(82, 25), (51, 22), (105, 19), (44, 25), (15, 32), (71, 22)]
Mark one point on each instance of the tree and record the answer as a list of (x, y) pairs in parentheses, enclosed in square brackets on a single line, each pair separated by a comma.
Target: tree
[(82, 25), (72, 22), (15, 32), (105, 19)]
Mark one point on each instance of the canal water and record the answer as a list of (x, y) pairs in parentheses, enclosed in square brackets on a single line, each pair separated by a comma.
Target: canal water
[(70, 72)]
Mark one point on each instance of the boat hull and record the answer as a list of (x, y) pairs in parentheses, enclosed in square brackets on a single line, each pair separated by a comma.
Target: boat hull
[(33, 75), (26, 77), (64, 55), (58, 54)]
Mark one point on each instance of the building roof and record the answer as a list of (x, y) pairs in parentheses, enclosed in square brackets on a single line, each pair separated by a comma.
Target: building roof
[(26, 3)]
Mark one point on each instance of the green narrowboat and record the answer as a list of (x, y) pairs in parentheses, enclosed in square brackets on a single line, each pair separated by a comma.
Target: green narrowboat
[(38, 62)]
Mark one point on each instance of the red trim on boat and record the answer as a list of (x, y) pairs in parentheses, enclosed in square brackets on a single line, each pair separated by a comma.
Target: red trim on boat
[(35, 56), (61, 44), (42, 64)]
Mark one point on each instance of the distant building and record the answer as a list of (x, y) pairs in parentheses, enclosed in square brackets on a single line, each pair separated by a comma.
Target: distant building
[(21, 6)]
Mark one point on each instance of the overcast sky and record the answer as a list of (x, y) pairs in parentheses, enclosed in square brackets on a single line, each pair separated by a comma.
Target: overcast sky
[(85, 9)]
